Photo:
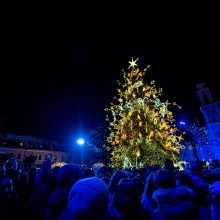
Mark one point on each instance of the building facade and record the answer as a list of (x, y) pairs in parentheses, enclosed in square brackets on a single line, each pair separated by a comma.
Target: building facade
[(211, 114), (26, 149)]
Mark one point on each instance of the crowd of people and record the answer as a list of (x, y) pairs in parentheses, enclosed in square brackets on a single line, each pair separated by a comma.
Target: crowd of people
[(75, 192)]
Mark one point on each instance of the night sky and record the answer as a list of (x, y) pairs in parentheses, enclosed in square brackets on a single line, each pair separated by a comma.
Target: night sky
[(59, 63)]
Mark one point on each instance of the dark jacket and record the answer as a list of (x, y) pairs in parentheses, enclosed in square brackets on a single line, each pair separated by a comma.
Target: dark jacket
[(176, 203)]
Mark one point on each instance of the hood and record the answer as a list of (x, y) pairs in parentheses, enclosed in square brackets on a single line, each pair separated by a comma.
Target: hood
[(175, 201)]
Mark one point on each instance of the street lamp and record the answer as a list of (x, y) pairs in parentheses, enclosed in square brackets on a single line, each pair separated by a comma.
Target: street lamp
[(81, 142)]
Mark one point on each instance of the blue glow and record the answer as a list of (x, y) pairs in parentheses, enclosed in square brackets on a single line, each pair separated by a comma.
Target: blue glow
[(182, 123), (80, 141)]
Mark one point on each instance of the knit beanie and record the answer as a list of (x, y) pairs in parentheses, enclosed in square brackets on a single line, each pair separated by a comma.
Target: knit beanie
[(89, 198), (68, 174)]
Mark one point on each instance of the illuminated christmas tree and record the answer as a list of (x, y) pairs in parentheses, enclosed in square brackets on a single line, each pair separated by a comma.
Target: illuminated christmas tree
[(142, 129)]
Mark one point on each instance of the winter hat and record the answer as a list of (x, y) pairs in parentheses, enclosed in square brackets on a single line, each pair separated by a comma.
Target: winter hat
[(126, 195), (195, 168), (164, 179), (67, 175), (175, 203), (215, 187), (115, 178), (102, 171), (88, 198), (183, 179), (213, 176)]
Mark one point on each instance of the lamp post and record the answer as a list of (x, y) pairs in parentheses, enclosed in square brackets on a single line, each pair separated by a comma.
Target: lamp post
[(81, 143)]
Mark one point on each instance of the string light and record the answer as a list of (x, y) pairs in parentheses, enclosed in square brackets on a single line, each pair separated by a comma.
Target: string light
[(140, 123)]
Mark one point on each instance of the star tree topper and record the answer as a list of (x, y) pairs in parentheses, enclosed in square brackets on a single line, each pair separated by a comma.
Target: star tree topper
[(132, 63)]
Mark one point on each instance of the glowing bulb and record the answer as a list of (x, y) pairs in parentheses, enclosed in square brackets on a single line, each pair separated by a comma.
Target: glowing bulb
[(80, 141)]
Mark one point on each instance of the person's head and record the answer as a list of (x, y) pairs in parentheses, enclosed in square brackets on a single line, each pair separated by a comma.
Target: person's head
[(183, 179), (32, 173), (213, 176), (174, 203), (115, 178), (214, 199), (196, 172), (88, 199), (6, 188), (102, 171), (139, 183), (169, 164), (88, 172), (67, 175), (11, 164), (47, 162), (164, 179), (126, 196)]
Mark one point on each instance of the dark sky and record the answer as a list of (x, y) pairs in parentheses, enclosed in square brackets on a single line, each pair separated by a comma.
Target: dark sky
[(60, 62)]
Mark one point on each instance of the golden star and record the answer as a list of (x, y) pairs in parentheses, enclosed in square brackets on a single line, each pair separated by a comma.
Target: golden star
[(132, 63)]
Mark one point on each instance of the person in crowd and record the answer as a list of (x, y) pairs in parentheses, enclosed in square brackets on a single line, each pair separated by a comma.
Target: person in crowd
[(183, 179), (73, 192), (115, 178), (106, 179), (126, 202), (102, 171), (88, 172), (200, 186), (65, 177), (213, 179), (176, 203), (23, 192), (214, 200), (139, 183), (163, 178), (9, 205), (43, 185), (31, 177), (146, 198), (168, 165), (171, 201), (88, 199)]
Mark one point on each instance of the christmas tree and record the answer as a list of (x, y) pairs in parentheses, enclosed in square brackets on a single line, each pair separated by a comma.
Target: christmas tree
[(142, 129)]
